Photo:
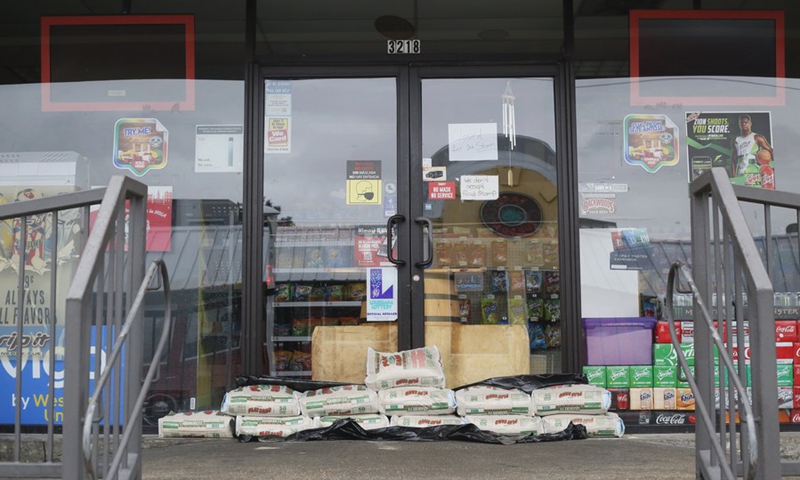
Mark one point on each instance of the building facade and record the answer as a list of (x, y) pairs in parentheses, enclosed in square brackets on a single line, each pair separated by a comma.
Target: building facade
[(498, 179)]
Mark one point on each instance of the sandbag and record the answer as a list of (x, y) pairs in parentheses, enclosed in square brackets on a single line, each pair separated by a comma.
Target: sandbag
[(205, 424), (425, 421), (416, 400), (338, 401), (488, 400), (250, 426), (419, 367), (261, 400), (570, 398), (601, 425), (370, 421), (507, 424)]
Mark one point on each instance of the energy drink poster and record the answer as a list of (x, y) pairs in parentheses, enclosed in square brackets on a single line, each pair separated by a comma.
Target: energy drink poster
[(651, 141), (140, 145), (739, 142)]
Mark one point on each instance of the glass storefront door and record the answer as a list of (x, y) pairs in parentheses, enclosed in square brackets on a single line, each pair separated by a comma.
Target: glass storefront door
[(487, 199), (411, 207)]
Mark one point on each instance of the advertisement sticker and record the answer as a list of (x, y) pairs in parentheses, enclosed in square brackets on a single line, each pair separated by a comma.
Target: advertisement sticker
[(651, 141), (382, 294), (140, 145)]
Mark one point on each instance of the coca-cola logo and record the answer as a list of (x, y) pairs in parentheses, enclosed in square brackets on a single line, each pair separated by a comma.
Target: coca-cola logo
[(674, 419), (796, 417)]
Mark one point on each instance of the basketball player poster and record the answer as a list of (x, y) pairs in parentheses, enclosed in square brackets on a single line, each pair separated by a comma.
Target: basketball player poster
[(740, 142)]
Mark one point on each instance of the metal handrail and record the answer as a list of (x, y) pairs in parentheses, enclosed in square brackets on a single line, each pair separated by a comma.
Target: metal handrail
[(157, 266), (700, 406)]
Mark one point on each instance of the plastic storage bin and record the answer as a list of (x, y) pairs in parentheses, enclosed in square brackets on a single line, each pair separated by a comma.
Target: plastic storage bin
[(619, 341)]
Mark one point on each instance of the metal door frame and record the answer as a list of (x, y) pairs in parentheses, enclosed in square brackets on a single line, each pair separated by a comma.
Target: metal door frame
[(410, 240)]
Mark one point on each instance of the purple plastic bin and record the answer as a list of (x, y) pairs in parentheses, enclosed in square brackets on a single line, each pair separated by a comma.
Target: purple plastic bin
[(619, 341)]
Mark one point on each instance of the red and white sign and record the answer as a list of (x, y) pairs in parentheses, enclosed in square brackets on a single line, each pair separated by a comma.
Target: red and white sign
[(441, 190), (785, 330)]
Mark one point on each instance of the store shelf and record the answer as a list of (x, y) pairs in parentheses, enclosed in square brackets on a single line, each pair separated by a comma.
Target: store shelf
[(293, 338), (316, 304)]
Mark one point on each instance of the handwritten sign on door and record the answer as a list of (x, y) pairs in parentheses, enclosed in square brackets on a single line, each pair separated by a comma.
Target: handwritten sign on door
[(472, 141), (479, 187)]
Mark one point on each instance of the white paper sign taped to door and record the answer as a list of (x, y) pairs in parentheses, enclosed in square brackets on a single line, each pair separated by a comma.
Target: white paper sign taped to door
[(480, 187)]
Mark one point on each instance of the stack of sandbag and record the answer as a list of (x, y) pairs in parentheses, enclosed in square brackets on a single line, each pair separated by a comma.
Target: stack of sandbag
[(505, 411), (586, 405), (265, 410), (356, 402), (410, 387), (205, 424)]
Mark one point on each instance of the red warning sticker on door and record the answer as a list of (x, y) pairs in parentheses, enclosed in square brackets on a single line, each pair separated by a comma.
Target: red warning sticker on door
[(441, 190)]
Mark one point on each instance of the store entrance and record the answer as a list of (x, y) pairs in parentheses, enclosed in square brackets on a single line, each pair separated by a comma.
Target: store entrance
[(412, 207)]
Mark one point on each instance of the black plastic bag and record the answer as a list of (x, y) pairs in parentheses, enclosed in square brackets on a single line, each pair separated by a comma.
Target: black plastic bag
[(348, 429)]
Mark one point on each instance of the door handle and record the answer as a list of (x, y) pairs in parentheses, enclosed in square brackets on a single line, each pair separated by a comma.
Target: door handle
[(429, 259), (393, 220)]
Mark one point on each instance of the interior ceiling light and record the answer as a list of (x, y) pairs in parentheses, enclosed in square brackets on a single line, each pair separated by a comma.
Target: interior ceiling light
[(394, 27)]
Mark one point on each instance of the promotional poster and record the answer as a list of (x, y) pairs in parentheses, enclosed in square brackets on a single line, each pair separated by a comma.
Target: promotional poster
[(739, 142)]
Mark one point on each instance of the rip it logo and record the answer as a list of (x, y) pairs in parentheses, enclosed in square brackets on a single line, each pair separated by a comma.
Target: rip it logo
[(376, 286)]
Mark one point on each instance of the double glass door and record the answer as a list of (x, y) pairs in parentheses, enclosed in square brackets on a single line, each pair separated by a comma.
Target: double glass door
[(411, 207)]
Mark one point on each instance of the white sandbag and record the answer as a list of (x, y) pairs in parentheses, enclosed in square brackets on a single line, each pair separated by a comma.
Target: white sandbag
[(419, 367), (599, 425), (205, 424), (261, 400), (343, 400), (416, 400), (488, 400), (271, 426), (508, 424), (369, 421), (422, 421), (570, 398)]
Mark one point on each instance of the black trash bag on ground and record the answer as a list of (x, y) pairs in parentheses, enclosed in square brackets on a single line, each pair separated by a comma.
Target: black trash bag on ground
[(529, 383), (298, 385), (347, 429)]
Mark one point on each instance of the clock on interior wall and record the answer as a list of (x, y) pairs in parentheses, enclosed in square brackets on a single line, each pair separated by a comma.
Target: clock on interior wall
[(512, 215)]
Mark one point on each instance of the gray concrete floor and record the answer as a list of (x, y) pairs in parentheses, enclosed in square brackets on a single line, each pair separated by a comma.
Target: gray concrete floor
[(633, 456)]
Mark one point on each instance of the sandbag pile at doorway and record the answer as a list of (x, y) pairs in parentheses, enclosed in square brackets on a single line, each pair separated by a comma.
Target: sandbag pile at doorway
[(404, 398)]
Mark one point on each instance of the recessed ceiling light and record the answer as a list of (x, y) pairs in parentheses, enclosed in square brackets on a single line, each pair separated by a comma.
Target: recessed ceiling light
[(394, 27), (493, 34)]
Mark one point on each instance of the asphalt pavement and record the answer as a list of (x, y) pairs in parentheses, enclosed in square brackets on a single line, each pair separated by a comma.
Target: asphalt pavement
[(643, 456)]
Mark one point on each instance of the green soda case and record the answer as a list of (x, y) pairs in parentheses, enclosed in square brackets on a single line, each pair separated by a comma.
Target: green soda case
[(641, 376), (785, 375), (618, 376), (664, 354), (596, 375), (665, 376)]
